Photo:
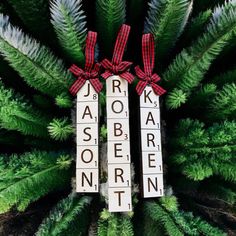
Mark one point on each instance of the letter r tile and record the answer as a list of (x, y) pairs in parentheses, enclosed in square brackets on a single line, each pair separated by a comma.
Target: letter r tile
[(116, 86)]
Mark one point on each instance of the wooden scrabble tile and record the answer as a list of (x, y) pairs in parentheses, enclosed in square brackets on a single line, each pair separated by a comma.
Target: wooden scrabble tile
[(116, 86), (118, 152), (119, 175), (118, 129), (149, 99), (87, 93), (150, 118), (117, 107), (87, 157), (151, 140), (87, 134), (87, 180), (152, 162), (87, 112), (119, 199), (152, 185)]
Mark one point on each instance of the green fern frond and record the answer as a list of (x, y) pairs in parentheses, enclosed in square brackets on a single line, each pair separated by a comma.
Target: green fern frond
[(191, 64), (126, 227), (222, 191), (35, 63), (201, 97), (69, 23), (26, 178), (16, 113), (201, 152), (166, 20), (36, 21), (64, 101), (195, 225), (175, 99), (114, 224), (196, 26), (110, 15), (223, 105), (69, 217), (60, 129), (169, 203), (160, 216), (228, 77), (198, 171)]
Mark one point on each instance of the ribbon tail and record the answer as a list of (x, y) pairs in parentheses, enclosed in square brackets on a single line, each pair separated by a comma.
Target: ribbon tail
[(139, 72), (75, 70), (76, 86), (157, 89), (127, 76), (106, 64), (97, 85), (155, 78), (106, 74), (140, 87)]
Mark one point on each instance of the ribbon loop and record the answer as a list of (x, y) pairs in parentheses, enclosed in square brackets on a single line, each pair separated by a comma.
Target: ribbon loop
[(146, 76), (91, 71), (117, 66)]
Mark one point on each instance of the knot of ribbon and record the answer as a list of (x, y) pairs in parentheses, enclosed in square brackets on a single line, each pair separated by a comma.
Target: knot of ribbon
[(117, 66), (90, 71), (146, 76)]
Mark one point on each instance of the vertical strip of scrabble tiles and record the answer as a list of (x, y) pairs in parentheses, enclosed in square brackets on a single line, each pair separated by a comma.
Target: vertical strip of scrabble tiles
[(118, 145), (151, 144), (87, 134)]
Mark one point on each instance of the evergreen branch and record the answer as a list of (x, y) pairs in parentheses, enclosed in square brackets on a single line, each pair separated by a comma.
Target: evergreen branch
[(166, 20), (191, 64), (36, 21), (201, 97), (200, 153), (113, 224), (16, 113), (110, 15), (26, 178), (69, 217), (228, 77), (64, 100), (35, 63), (220, 191), (196, 26), (60, 129), (195, 225), (161, 216), (223, 105), (70, 26)]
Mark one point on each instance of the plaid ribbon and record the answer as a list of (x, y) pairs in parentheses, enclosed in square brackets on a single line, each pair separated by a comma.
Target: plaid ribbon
[(91, 71), (146, 76), (117, 66)]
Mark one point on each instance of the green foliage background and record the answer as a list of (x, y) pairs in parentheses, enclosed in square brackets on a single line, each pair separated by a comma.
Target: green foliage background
[(195, 50)]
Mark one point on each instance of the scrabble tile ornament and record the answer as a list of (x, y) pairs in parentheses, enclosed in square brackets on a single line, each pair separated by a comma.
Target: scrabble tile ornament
[(151, 151), (86, 88), (118, 134)]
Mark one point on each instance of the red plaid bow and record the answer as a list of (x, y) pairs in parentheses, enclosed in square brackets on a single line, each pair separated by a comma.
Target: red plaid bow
[(117, 66), (91, 71), (146, 76)]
